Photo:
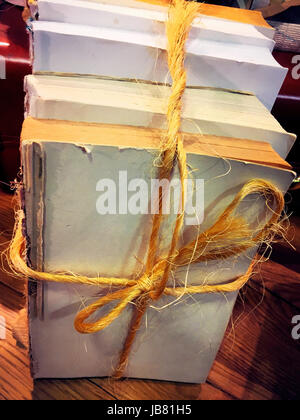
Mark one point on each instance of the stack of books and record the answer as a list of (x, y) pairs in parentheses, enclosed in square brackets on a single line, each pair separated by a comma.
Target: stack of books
[(95, 116)]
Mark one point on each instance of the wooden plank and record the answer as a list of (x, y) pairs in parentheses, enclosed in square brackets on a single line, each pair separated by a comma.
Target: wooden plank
[(258, 358), (134, 389), (289, 253), (15, 377), (72, 389), (6, 229), (211, 393), (11, 300), (280, 280)]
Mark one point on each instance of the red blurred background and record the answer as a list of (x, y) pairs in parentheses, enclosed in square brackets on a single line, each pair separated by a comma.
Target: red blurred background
[(14, 49)]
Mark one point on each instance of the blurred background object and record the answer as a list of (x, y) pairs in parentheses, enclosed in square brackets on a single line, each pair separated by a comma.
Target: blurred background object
[(17, 2), (14, 65)]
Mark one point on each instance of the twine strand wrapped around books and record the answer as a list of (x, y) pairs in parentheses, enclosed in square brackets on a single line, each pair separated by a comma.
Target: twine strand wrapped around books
[(229, 236)]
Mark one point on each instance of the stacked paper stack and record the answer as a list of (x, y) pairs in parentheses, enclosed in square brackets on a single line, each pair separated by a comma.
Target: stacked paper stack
[(95, 115), (123, 41)]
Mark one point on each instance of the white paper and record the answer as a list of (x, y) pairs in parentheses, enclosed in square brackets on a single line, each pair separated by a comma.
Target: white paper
[(131, 54)]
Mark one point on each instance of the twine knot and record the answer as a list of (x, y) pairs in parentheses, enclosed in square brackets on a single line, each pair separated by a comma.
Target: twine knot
[(150, 283), (145, 283)]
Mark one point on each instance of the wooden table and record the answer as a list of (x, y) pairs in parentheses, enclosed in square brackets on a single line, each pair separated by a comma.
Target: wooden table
[(258, 359)]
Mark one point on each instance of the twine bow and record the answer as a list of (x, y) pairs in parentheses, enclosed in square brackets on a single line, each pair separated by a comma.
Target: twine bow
[(229, 236)]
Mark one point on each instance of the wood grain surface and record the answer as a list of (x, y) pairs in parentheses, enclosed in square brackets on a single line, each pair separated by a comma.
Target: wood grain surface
[(258, 359)]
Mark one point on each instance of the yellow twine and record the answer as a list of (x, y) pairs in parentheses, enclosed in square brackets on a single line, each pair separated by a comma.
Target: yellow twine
[(229, 236), (26, 14)]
